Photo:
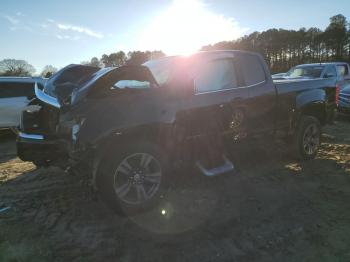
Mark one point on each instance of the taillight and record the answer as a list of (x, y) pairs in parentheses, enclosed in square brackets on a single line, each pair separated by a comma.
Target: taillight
[(337, 91)]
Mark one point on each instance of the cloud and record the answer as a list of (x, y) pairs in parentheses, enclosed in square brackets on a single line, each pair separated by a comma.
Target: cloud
[(79, 29), (21, 27), (61, 31), (65, 31), (16, 24), (62, 37), (11, 19)]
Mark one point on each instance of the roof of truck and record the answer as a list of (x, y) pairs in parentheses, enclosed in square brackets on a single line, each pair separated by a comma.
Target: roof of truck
[(323, 64), (209, 53)]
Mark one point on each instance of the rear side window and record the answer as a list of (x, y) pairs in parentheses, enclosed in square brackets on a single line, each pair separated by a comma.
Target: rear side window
[(253, 71), (342, 70), (215, 75), (330, 72), (8, 90)]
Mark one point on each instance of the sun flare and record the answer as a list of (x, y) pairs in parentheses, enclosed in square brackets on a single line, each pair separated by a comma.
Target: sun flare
[(186, 26)]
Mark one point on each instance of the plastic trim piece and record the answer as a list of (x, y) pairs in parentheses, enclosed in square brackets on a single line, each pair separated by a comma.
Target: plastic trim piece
[(31, 136), (46, 98)]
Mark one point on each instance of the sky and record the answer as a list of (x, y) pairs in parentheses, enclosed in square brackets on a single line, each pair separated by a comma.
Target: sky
[(60, 32)]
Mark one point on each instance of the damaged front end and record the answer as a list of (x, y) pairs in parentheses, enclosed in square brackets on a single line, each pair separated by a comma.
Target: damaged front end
[(39, 140), (49, 128), (51, 125)]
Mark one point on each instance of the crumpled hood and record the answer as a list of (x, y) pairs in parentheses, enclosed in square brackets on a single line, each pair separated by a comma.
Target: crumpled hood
[(72, 83), (72, 78)]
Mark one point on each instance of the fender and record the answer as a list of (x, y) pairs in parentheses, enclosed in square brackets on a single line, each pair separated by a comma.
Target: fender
[(311, 102), (310, 96)]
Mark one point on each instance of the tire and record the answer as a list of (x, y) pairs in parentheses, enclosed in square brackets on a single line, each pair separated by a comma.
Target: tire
[(132, 178), (307, 138)]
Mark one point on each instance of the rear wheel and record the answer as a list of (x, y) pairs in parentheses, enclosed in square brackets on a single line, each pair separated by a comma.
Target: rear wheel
[(307, 138), (132, 178)]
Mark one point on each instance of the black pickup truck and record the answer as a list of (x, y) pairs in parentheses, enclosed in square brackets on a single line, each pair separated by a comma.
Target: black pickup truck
[(130, 126)]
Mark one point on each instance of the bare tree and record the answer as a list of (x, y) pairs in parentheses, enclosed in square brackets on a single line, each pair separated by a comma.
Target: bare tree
[(114, 59), (139, 57), (93, 62), (14, 67), (48, 71)]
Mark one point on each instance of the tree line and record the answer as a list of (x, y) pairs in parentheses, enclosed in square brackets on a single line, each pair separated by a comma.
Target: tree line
[(281, 49), (14, 67), (120, 58)]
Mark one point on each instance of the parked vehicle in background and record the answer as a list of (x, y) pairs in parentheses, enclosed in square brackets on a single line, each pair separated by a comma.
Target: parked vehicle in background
[(344, 101), (278, 76), (15, 94), (339, 71), (130, 126)]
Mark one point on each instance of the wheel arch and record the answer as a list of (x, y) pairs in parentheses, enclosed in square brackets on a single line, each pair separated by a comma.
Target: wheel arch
[(158, 133), (312, 103), (315, 109)]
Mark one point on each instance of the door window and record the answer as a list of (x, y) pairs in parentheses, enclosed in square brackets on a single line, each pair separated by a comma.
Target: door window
[(342, 70), (253, 71), (215, 75), (330, 72)]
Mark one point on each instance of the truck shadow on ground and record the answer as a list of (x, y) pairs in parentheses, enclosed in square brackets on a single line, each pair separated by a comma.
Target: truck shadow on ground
[(7, 146), (272, 209)]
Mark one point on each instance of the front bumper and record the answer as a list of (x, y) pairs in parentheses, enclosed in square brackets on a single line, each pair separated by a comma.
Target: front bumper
[(34, 147)]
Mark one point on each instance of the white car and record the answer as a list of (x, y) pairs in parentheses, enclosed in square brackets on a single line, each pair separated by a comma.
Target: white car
[(15, 94)]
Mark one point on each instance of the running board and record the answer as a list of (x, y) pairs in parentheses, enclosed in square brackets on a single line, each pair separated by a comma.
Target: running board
[(226, 167)]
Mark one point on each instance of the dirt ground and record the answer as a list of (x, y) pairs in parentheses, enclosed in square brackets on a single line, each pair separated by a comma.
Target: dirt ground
[(272, 209)]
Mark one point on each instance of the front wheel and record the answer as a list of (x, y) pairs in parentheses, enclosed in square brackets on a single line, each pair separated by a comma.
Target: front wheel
[(132, 178), (307, 138)]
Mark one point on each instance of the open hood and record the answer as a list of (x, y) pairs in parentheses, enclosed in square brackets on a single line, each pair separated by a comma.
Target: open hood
[(72, 83)]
